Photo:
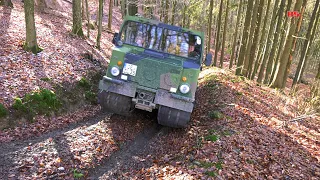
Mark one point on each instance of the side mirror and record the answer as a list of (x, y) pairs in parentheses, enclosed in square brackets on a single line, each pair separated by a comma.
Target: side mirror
[(115, 38), (208, 59)]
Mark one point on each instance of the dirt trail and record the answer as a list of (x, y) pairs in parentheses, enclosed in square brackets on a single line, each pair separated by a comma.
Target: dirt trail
[(128, 156), (15, 156), (10, 151)]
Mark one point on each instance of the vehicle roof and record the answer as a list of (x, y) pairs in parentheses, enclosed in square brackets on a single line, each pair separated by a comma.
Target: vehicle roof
[(161, 24)]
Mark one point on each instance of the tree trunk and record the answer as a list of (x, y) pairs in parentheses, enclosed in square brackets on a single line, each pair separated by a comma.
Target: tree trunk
[(218, 35), (250, 40), (282, 40), (244, 38), (100, 23), (307, 44), (110, 15), (235, 34), (224, 34), (132, 8), (279, 81), (210, 24), (166, 12), (184, 15), (41, 5), (173, 11), (275, 43), (255, 40), (7, 3), (124, 7), (295, 39), (88, 15), (262, 44), (77, 21), (83, 10), (31, 36), (269, 42)]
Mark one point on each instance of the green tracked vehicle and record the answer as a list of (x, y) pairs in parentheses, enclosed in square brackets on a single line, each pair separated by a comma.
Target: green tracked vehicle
[(153, 66)]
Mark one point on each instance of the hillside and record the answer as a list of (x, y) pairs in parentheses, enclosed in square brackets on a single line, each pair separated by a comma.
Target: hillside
[(239, 129)]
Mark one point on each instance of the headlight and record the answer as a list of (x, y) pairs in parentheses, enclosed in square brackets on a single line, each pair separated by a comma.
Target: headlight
[(184, 88), (115, 71), (120, 43)]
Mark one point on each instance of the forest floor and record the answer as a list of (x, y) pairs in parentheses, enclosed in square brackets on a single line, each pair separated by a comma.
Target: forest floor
[(238, 129)]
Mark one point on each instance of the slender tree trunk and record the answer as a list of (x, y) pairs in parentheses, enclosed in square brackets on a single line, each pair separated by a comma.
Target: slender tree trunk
[(315, 91), (124, 7), (262, 44), (7, 3), (269, 42), (132, 8), (184, 15), (42, 5), (255, 40), (275, 44), (31, 37), (210, 24), (235, 34), (88, 15), (279, 81), (245, 37), (218, 35), (77, 22), (100, 23), (166, 12), (250, 40), (173, 11), (83, 10), (283, 38), (110, 15), (224, 34), (295, 39), (306, 46)]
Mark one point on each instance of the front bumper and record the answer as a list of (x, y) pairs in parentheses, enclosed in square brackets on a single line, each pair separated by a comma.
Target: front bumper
[(162, 97)]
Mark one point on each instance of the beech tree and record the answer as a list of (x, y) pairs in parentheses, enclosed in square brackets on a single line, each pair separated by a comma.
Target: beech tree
[(307, 43), (77, 20), (245, 37), (224, 34), (209, 27), (100, 23), (235, 34), (279, 81), (31, 36), (110, 15), (218, 35)]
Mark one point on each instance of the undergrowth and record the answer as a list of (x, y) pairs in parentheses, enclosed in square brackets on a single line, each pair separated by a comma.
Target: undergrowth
[(39, 102), (3, 111)]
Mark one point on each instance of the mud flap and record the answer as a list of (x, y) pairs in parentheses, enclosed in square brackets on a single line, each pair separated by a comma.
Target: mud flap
[(173, 117), (115, 103)]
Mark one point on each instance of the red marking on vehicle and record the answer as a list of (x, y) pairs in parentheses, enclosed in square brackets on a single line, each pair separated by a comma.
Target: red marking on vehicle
[(293, 14)]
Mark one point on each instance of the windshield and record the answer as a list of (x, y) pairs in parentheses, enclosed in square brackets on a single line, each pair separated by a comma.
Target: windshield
[(161, 39)]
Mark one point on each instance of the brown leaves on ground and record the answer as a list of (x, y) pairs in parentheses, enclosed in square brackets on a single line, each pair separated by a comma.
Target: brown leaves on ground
[(251, 139)]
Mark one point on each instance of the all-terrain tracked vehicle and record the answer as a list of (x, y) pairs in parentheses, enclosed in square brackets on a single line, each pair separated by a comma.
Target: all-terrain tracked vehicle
[(153, 66)]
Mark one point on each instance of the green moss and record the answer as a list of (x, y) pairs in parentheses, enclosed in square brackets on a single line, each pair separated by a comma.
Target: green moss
[(206, 164), (46, 79), (215, 115), (91, 97), (34, 49), (3, 111), (42, 102), (211, 173), (84, 83), (212, 137)]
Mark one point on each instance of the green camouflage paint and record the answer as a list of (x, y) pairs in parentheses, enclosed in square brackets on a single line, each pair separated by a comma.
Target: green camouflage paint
[(152, 72)]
